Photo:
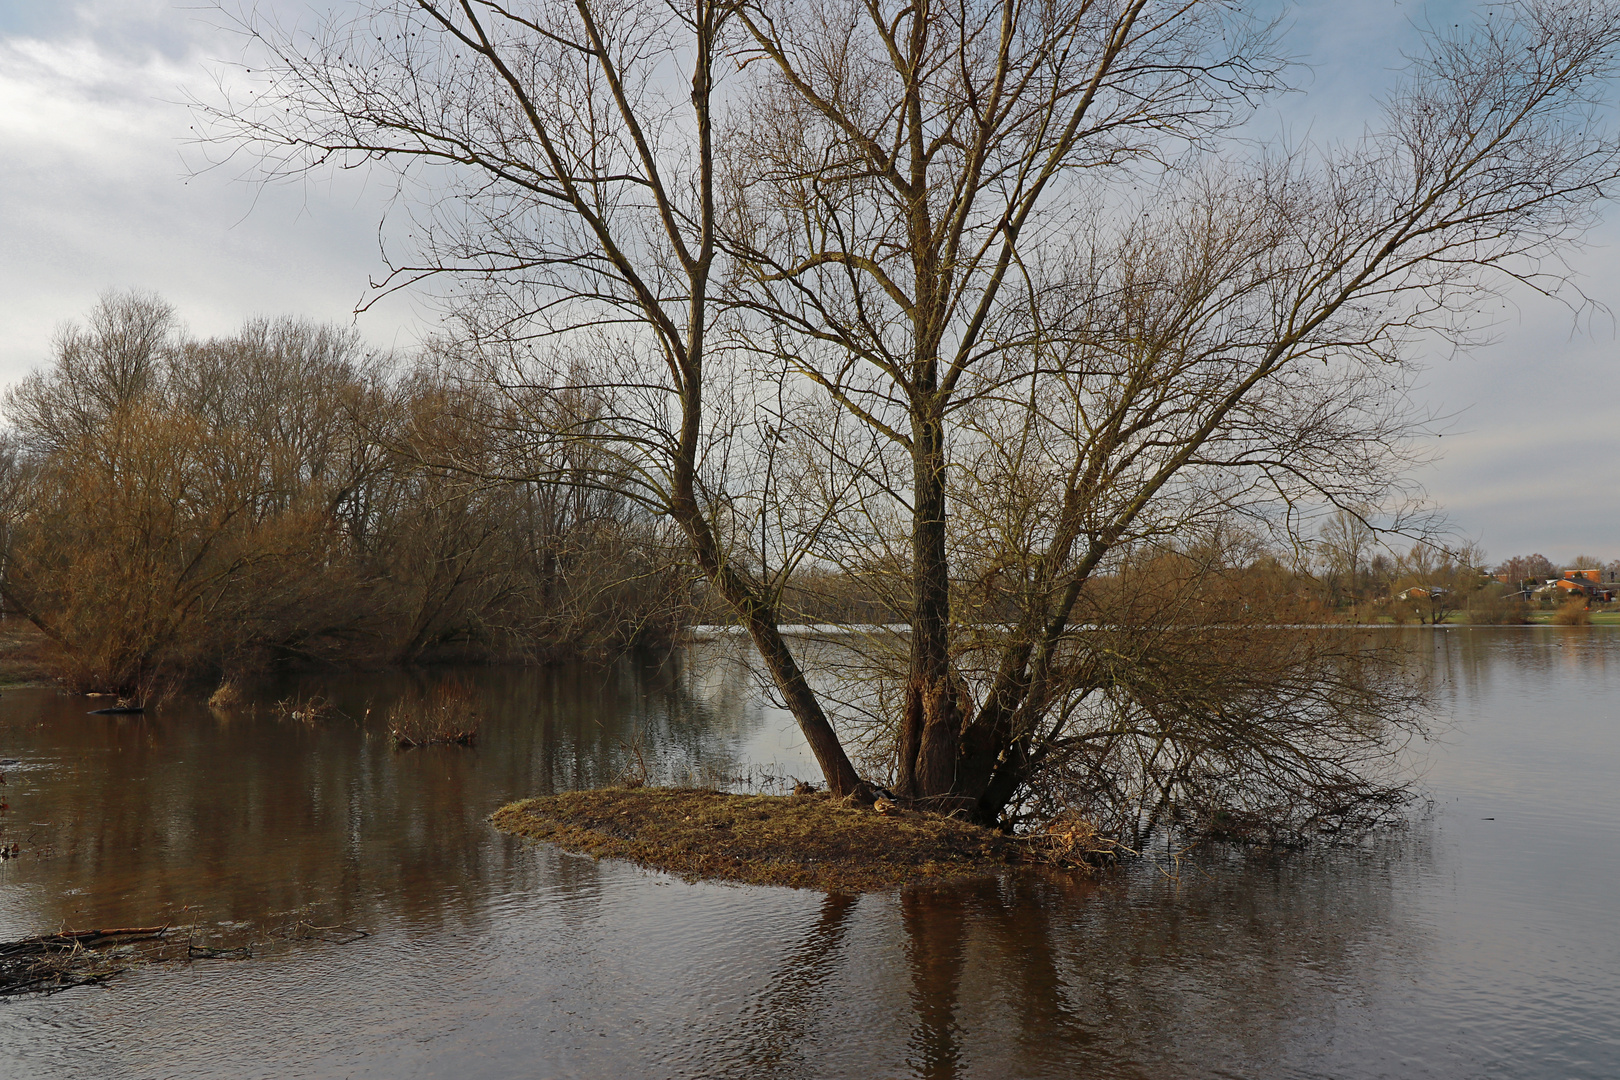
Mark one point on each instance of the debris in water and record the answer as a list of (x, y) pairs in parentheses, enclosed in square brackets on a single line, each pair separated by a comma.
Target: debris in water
[(51, 963)]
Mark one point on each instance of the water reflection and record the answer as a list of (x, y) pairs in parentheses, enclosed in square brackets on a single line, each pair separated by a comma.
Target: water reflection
[(1478, 942), (239, 816)]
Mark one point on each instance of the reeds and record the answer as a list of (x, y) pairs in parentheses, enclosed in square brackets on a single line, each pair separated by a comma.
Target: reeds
[(226, 697)]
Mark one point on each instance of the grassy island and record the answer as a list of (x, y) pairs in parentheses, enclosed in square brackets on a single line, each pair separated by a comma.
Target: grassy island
[(804, 841)]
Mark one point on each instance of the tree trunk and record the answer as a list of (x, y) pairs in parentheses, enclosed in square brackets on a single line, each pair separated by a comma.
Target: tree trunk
[(930, 732)]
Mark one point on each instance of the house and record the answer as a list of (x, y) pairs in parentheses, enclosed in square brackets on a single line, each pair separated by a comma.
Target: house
[(1420, 592), (1585, 583)]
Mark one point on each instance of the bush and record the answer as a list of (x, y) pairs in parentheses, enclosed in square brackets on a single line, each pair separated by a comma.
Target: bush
[(1498, 609), (1573, 613)]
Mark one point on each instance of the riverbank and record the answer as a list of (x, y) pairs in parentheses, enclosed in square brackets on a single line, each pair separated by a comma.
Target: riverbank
[(803, 841)]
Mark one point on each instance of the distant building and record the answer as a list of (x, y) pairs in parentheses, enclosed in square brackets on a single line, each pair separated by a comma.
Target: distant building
[(1587, 583), (1420, 592)]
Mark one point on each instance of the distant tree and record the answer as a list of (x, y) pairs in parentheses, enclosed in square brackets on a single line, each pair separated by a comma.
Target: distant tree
[(1528, 571), (1347, 544), (108, 364), (1445, 579)]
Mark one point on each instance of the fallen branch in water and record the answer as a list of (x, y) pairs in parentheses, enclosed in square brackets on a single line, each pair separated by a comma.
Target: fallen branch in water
[(50, 963), (344, 933)]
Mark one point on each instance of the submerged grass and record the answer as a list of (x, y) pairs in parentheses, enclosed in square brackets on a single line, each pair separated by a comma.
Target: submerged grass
[(804, 841)]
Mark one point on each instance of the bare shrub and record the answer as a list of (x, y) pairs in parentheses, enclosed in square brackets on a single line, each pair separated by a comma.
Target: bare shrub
[(308, 709), (634, 773), (1498, 608), (447, 714), (1069, 840)]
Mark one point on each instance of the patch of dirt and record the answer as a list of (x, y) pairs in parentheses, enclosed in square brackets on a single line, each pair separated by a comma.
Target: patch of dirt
[(802, 841)]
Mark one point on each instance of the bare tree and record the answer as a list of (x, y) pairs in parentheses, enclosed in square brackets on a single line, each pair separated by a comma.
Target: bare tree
[(107, 365), (938, 238), (1435, 583), (1347, 543), (1527, 571), (885, 300)]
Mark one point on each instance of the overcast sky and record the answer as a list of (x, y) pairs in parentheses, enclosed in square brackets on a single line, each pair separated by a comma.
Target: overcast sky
[(99, 190)]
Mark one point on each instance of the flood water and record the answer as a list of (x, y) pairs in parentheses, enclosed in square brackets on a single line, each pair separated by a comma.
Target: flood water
[(1481, 941)]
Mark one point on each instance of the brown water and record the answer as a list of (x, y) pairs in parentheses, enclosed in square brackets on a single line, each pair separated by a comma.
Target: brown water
[(1482, 941)]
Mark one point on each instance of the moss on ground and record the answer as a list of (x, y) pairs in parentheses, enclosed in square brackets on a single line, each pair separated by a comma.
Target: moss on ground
[(802, 841)]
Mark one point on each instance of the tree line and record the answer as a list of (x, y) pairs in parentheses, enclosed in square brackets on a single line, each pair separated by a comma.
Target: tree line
[(173, 507), (1361, 575)]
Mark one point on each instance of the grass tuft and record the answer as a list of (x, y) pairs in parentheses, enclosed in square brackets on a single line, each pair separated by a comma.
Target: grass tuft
[(226, 697)]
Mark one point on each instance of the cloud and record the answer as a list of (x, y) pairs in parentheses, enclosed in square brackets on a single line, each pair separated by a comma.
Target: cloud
[(1535, 435), (97, 195)]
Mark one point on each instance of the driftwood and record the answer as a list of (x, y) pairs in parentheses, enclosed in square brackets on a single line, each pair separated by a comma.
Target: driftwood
[(50, 963)]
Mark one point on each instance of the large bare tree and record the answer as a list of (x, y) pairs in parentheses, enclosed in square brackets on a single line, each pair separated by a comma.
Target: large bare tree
[(976, 298)]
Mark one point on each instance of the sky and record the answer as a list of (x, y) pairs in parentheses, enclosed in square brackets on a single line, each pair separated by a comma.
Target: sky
[(102, 188)]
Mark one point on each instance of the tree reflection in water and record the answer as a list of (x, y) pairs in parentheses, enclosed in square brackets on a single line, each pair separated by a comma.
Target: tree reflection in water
[(493, 958)]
